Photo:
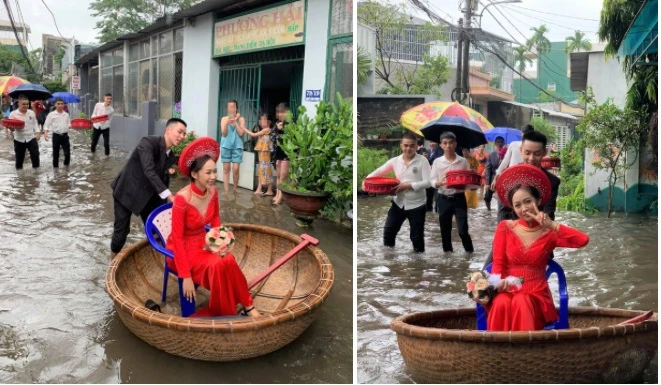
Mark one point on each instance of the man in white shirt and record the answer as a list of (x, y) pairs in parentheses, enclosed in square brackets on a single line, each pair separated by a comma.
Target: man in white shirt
[(451, 201), (412, 171), (103, 128), (28, 137), (58, 122)]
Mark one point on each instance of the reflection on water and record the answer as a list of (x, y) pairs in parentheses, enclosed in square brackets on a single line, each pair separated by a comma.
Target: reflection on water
[(617, 269), (57, 324)]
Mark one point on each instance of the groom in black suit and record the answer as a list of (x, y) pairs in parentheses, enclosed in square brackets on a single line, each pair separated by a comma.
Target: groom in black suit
[(142, 185)]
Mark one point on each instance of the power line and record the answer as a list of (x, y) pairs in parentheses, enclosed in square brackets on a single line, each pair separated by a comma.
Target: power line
[(546, 21), (55, 21), (554, 14), (13, 26)]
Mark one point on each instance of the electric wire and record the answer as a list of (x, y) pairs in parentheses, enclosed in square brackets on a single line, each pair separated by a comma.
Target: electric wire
[(13, 26), (553, 14)]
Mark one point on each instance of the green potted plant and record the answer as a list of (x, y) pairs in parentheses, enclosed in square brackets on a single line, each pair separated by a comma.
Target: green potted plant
[(174, 171), (320, 153)]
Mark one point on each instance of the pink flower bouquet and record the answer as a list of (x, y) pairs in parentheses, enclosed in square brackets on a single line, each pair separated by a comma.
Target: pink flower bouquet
[(220, 240)]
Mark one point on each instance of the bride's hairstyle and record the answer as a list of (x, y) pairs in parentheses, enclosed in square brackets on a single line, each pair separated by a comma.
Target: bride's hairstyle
[(197, 165), (532, 190)]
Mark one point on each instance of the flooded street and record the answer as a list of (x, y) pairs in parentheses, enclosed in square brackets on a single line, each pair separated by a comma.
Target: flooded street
[(57, 324), (617, 269)]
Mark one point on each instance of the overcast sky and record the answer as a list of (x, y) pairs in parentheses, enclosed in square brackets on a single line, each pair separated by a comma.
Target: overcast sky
[(74, 19)]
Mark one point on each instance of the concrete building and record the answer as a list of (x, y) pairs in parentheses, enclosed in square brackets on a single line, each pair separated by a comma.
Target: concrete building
[(8, 38), (262, 53), (50, 45)]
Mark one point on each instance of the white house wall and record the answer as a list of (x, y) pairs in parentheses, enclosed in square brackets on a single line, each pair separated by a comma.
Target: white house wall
[(316, 48), (200, 76)]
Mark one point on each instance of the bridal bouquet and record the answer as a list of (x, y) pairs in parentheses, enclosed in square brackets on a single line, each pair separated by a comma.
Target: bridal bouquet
[(220, 240), (481, 286)]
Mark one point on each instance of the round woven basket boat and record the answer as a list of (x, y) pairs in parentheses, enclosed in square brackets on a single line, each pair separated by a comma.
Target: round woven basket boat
[(440, 347), (289, 299)]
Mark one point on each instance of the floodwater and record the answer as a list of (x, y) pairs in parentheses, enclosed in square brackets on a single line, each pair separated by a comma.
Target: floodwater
[(617, 269), (57, 324)]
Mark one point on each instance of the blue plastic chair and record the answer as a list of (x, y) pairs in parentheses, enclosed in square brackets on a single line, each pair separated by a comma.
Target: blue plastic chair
[(158, 228), (563, 316)]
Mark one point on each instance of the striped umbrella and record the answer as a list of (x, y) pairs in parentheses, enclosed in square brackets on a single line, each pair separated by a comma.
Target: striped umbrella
[(7, 83), (419, 116)]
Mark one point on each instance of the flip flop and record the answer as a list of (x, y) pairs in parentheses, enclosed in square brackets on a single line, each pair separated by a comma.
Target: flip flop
[(153, 306)]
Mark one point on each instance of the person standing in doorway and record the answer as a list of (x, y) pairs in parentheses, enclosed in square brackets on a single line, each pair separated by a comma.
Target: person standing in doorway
[(58, 122), (232, 127), (142, 185), (434, 152), (493, 161), (28, 137), (412, 170), (450, 201), (281, 159), (103, 128)]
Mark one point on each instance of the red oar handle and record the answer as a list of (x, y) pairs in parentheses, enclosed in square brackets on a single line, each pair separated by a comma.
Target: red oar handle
[(307, 240), (637, 319)]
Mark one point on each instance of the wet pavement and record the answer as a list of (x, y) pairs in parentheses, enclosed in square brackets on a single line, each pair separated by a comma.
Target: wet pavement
[(57, 324), (617, 269)]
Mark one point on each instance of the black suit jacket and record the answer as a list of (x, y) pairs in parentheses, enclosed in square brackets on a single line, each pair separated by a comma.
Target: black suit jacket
[(549, 207), (145, 174), (493, 161)]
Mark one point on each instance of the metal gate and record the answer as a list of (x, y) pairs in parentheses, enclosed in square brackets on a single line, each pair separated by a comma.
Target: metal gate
[(296, 89), (243, 85)]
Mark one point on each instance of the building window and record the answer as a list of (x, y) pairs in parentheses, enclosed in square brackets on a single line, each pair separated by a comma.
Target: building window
[(550, 86), (112, 77), (155, 73), (563, 136), (339, 77)]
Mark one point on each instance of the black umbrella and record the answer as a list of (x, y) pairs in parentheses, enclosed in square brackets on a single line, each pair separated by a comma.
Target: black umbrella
[(468, 133), (31, 91)]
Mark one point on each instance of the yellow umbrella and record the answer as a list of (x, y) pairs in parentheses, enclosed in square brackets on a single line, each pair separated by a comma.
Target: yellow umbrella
[(417, 117), (7, 83)]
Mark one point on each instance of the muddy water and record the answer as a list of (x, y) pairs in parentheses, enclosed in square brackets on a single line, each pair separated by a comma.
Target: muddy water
[(617, 269), (57, 324)]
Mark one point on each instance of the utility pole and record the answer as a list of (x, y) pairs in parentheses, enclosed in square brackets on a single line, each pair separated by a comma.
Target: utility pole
[(466, 46), (457, 89)]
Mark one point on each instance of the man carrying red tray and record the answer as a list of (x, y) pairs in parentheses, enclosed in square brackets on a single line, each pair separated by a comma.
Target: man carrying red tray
[(412, 170), (451, 201), (58, 123), (103, 128), (28, 137)]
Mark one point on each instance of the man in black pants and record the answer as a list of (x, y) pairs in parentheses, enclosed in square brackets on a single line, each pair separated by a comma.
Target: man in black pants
[(28, 137), (412, 171), (103, 128), (142, 185), (493, 161), (434, 152), (451, 202), (58, 122)]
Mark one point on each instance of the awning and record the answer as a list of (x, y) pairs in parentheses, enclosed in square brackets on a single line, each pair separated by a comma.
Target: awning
[(642, 36)]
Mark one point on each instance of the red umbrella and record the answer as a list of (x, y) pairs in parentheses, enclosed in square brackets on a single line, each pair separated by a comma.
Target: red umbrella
[(7, 83)]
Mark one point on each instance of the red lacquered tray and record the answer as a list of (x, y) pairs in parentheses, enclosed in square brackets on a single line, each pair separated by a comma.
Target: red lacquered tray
[(100, 118), (462, 179), (381, 186), (550, 162), (13, 123), (81, 124)]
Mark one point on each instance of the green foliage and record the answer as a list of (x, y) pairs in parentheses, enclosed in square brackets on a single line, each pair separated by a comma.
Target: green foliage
[(190, 136), (520, 58), (571, 174), (370, 159), (495, 81), (59, 55), (543, 97), (8, 56), (546, 128), (615, 134), (577, 43), (576, 200), (55, 86), (81, 115), (363, 65), (586, 97), (541, 43), (388, 19), (320, 150), (120, 17)]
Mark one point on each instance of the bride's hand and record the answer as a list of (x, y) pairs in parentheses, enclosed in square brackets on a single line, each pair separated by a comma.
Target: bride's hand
[(189, 289), (504, 286), (543, 219)]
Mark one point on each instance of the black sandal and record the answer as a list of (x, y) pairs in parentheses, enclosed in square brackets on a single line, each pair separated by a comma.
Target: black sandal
[(153, 306), (245, 311)]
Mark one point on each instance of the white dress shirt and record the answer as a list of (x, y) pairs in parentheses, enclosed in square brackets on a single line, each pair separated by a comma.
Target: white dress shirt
[(441, 166), (101, 109), (512, 157), (57, 123), (27, 133), (416, 173)]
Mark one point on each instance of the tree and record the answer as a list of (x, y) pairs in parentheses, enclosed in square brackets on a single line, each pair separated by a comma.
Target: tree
[(542, 125), (542, 44), (521, 61), (119, 17), (576, 43), (614, 135), (392, 35), (363, 66), (9, 56), (544, 97)]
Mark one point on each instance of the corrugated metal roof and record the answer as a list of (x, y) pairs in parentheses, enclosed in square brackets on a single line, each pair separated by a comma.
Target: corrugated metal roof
[(546, 111)]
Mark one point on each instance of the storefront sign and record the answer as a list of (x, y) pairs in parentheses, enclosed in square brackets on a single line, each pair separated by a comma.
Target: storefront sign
[(75, 82), (312, 95), (270, 28)]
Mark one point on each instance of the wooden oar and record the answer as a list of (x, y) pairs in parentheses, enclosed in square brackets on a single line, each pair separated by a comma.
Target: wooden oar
[(307, 240), (637, 319)]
